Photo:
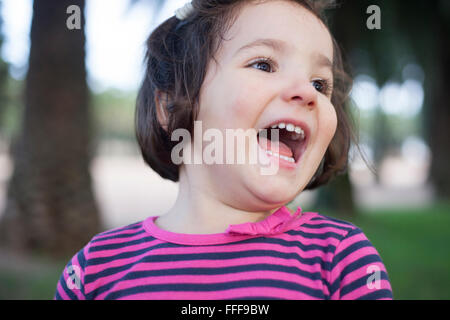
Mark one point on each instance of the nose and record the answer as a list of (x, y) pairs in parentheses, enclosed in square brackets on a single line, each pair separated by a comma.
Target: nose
[(301, 93)]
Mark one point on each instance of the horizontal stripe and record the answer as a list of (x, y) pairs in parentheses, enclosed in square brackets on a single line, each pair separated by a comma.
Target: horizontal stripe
[(330, 219), (209, 256), (255, 240), (231, 294), (131, 227), (359, 283), (214, 279), (136, 275), (216, 287), (323, 236), (135, 251), (323, 225), (378, 294), (119, 245), (257, 298), (119, 236)]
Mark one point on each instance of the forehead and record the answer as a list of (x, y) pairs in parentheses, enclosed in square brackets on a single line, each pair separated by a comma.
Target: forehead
[(295, 26)]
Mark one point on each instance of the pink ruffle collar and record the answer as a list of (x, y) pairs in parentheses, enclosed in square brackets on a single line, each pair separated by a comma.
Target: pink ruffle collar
[(278, 222)]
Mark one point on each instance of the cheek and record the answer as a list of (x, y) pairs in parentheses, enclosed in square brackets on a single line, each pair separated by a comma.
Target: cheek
[(240, 102), (326, 128), (333, 121), (327, 125)]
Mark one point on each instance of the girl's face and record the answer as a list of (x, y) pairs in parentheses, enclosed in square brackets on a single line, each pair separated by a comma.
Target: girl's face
[(273, 67)]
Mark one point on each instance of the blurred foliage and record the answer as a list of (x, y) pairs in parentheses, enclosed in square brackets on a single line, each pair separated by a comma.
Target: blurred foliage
[(114, 114), (112, 110), (12, 107), (400, 127), (3, 78)]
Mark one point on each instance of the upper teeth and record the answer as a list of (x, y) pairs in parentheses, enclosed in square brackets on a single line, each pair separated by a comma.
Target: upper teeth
[(291, 128)]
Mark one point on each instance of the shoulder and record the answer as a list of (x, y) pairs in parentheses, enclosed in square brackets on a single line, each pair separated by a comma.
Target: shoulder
[(355, 269), (321, 220), (323, 227), (343, 236), (337, 238), (97, 256), (109, 240), (120, 232), (112, 242)]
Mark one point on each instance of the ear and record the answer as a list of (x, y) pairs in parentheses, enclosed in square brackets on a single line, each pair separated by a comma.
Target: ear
[(161, 102)]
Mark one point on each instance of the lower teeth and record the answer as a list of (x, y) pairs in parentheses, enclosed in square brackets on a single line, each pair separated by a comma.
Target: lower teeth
[(290, 159)]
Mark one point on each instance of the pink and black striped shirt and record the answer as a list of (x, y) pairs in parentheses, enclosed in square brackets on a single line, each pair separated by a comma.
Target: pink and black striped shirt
[(300, 256)]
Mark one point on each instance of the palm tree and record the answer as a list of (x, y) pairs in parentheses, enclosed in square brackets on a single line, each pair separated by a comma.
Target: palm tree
[(50, 207)]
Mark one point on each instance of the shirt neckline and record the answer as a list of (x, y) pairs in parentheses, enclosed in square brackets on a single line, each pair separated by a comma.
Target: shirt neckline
[(278, 222)]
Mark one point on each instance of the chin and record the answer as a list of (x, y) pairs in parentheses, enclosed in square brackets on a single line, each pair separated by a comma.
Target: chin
[(274, 190), (274, 198)]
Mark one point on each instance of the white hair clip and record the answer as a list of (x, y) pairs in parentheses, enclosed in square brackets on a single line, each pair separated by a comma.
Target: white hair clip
[(183, 12)]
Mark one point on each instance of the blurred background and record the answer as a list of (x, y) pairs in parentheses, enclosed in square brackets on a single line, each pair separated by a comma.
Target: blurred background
[(70, 166)]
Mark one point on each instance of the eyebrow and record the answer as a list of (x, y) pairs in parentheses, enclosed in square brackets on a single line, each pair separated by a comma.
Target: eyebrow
[(280, 46)]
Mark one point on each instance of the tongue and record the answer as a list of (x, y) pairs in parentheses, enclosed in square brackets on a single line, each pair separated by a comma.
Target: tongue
[(283, 149)]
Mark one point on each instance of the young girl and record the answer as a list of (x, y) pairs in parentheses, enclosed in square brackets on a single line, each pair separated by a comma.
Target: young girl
[(238, 65)]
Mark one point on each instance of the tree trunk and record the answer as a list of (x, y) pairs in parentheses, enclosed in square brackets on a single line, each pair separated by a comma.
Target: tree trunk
[(439, 114), (50, 206), (337, 197)]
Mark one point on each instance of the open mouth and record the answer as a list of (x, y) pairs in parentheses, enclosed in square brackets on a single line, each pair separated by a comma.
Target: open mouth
[(291, 141)]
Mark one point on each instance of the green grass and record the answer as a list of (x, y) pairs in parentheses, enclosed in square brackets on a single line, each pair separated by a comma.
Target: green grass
[(37, 283), (28, 286), (412, 243)]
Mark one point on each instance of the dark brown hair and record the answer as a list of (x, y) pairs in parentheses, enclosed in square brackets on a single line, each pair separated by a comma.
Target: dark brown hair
[(178, 53)]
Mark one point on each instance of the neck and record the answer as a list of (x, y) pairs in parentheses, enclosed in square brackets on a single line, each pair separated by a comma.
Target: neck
[(198, 210)]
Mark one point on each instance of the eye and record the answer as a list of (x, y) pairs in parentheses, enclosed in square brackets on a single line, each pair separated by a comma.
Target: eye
[(323, 86), (264, 64)]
